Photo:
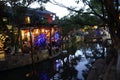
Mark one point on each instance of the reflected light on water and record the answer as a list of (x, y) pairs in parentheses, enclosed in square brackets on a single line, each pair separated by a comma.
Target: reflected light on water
[(79, 52), (81, 65)]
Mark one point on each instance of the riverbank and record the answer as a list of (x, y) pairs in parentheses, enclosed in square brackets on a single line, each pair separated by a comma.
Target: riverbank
[(19, 59), (102, 71)]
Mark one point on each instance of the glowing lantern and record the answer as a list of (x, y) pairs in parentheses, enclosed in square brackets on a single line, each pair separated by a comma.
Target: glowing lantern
[(27, 20)]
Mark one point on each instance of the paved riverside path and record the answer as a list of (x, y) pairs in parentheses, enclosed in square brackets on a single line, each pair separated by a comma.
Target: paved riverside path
[(97, 69), (102, 71)]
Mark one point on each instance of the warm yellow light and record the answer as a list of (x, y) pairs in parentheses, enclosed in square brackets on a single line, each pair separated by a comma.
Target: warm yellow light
[(9, 27), (22, 34), (52, 31), (1, 44), (46, 31), (25, 34), (27, 75), (42, 30), (2, 56), (27, 20), (28, 34), (83, 30), (48, 35), (95, 27), (4, 19), (36, 31)]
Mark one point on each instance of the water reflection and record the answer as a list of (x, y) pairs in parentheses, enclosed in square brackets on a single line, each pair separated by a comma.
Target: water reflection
[(71, 67), (81, 67), (65, 69), (77, 66), (43, 76)]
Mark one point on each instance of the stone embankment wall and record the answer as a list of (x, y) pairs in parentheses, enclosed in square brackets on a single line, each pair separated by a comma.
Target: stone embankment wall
[(18, 60)]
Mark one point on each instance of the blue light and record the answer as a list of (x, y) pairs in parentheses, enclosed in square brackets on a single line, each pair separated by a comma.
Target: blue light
[(56, 36), (40, 41), (43, 76)]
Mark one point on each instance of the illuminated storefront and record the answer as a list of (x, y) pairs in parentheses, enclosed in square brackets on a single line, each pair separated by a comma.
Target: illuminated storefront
[(40, 37), (3, 38)]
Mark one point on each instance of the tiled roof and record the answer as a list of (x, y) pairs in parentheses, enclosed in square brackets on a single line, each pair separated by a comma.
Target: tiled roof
[(44, 11), (40, 11)]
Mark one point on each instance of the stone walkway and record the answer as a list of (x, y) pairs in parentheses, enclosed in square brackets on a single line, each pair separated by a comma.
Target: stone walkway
[(97, 70), (101, 71)]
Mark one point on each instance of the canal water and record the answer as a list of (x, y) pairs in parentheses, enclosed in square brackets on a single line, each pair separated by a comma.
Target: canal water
[(71, 67)]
